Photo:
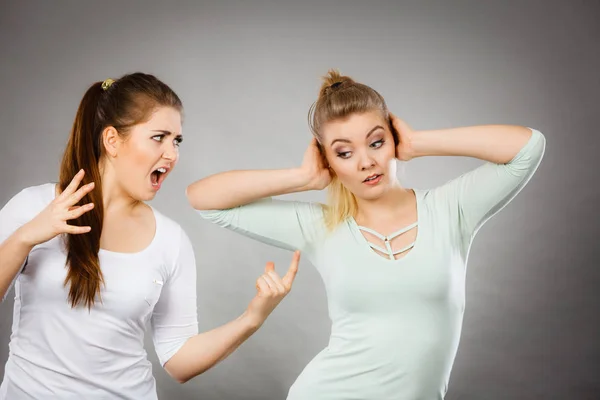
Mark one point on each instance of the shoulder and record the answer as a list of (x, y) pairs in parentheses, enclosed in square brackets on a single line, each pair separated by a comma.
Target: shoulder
[(440, 200), (169, 230), (167, 224), (23, 207), (312, 217), (44, 193), (436, 195), (312, 211), (171, 236), (32, 199)]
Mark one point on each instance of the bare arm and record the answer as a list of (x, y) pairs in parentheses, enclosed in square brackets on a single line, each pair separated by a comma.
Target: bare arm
[(495, 143), (205, 350), (13, 253), (234, 188)]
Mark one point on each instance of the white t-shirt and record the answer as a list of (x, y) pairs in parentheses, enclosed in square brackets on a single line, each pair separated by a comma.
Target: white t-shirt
[(59, 352)]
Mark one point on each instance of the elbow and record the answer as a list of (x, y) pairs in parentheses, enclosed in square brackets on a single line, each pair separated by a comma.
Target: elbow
[(202, 204), (182, 380), (193, 199), (194, 196), (182, 377), (178, 374), (188, 194)]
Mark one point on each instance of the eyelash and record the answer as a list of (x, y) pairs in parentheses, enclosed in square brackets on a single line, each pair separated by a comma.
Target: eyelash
[(176, 140), (341, 154)]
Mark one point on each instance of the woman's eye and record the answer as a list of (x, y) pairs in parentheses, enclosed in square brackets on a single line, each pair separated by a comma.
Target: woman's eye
[(377, 144), (178, 141), (158, 138), (344, 154)]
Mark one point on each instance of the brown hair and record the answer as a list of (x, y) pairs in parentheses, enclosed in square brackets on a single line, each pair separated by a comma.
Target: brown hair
[(126, 102), (339, 97)]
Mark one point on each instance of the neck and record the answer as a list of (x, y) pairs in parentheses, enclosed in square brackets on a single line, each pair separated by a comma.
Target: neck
[(385, 207), (115, 199)]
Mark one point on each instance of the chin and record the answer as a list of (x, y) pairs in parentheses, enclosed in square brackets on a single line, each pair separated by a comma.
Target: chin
[(369, 194), (148, 197), (144, 195), (374, 193)]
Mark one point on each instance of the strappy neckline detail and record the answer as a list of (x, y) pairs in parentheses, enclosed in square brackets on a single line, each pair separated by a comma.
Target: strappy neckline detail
[(370, 251), (387, 239)]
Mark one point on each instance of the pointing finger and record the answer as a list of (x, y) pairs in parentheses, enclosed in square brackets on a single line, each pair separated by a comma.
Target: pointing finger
[(289, 277)]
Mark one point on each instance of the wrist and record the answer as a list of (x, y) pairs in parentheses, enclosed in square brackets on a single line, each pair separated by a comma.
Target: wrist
[(23, 239), (251, 321), (419, 144), (301, 179)]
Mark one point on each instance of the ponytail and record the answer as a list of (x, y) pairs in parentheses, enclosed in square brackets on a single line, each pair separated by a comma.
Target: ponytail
[(84, 276)]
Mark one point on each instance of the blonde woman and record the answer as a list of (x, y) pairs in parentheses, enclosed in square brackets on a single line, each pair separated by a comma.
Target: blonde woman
[(393, 259)]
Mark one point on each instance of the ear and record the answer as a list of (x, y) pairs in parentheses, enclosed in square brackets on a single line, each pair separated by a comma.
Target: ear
[(111, 141)]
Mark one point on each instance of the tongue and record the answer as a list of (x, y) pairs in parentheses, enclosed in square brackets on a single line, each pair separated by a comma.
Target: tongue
[(154, 178)]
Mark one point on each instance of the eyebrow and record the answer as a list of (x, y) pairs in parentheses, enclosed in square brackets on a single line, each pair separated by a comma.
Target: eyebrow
[(368, 134)]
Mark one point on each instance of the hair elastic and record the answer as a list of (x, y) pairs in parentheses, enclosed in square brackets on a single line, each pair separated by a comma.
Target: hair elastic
[(107, 83)]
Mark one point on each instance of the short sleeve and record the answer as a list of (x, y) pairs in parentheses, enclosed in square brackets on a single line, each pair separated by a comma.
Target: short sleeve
[(15, 213), (174, 318)]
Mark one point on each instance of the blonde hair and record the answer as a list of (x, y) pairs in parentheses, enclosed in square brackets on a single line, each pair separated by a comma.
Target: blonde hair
[(339, 97)]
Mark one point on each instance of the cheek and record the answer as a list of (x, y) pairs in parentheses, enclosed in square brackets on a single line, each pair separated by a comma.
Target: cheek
[(345, 170), (138, 156)]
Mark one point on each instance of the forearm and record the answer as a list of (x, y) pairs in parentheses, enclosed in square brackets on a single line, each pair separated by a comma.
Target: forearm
[(206, 349), (13, 253), (235, 188), (494, 143)]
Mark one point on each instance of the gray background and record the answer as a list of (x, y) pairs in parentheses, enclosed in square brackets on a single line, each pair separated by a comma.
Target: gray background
[(247, 73)]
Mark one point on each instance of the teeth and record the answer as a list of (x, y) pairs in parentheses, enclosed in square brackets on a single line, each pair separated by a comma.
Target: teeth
[(370, 179), (162, 170)]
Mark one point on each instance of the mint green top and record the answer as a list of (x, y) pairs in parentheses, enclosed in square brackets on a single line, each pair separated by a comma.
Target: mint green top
[(396, 324)]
